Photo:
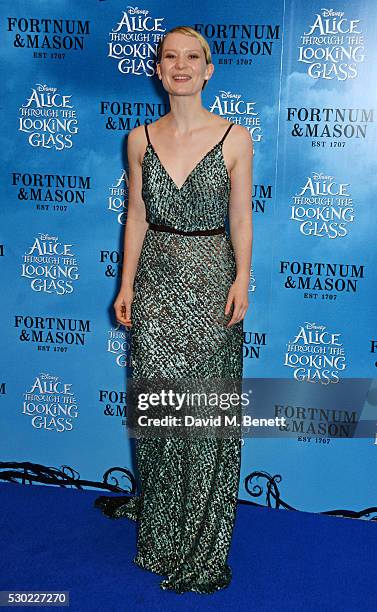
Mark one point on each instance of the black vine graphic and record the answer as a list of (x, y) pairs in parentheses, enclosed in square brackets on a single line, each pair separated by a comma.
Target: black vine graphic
[(255, 489), (122, 480), (116, 479)]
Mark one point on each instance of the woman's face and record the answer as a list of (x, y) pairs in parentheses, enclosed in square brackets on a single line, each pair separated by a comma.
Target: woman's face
[(183, 66)]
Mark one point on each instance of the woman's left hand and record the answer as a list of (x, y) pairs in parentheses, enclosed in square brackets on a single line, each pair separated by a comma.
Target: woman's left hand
[(238, 296)]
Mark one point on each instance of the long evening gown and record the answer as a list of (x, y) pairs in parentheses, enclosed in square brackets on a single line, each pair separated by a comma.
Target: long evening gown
[(189, 487)]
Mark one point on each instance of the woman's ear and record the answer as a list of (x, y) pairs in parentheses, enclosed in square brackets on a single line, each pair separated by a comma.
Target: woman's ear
[(211, 68)]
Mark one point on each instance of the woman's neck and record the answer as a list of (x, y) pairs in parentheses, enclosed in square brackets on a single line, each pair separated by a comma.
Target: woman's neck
[(186, 113)]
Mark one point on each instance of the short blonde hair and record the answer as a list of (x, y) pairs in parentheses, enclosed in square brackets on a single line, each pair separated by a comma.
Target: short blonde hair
[(188, 31)]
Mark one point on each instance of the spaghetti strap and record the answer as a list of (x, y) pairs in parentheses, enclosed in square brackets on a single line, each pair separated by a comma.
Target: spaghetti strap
[(225, 135), (147, 133)]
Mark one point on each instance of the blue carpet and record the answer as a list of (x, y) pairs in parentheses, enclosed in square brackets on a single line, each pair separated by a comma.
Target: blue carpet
[(54, 539)]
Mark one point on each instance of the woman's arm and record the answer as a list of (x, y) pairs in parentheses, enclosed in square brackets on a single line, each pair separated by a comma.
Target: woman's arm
[(240, 220), (135, 227)]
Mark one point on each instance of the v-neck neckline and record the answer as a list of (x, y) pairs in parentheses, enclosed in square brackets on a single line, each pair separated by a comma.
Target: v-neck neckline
[(192, 171)]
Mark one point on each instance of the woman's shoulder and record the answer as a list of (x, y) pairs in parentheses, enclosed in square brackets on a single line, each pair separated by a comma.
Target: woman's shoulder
[(238, 144), (138, 136), (241, 138), (137, 133), (136, 143), (237, 133)]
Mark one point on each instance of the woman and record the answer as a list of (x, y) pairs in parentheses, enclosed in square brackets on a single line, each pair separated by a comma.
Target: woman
[(184, 295)]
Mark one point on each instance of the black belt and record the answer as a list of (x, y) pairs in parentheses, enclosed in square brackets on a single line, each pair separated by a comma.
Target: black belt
[(172, 230)]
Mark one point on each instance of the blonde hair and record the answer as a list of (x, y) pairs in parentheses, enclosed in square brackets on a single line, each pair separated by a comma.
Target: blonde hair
[(188, 31)]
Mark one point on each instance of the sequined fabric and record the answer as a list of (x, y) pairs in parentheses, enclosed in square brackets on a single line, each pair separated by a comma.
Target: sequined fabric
[(189, 487)]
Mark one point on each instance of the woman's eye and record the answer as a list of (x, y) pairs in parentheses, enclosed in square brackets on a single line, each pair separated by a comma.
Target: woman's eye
[(169, 55)]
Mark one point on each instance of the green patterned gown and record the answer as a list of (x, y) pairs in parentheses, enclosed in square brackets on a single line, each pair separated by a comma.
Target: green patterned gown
[(189, 487)]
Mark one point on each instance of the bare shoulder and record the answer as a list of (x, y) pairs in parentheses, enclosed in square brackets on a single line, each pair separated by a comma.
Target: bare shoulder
[(241, 139), (239, 147), (136, 143)]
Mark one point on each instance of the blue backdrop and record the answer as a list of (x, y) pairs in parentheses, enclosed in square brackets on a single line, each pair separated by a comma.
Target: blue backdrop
[(77, 77)]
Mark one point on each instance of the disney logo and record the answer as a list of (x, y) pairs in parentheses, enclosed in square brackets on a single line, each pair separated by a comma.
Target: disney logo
[(137, 11), (41, 87), (314, 326), (47, 237), (331, 13), (228, 94)]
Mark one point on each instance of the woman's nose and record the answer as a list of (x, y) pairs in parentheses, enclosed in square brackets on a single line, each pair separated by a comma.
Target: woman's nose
[(180, 62)]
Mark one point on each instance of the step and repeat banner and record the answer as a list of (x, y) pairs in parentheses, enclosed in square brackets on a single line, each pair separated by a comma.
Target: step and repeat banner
[(301, 77)]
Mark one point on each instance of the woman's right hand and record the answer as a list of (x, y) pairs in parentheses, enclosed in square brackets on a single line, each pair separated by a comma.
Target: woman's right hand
[(122, 307)]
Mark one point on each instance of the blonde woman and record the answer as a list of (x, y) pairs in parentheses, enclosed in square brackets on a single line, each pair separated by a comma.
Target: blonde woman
[(184, 295)]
